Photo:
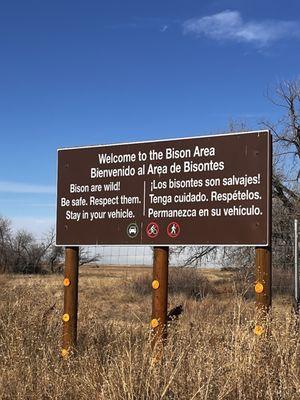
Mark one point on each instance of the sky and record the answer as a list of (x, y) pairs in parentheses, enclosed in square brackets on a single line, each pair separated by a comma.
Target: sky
[(76, 73)]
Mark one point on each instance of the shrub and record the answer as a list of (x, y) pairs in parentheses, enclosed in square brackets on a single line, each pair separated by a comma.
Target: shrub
[(187, 281)]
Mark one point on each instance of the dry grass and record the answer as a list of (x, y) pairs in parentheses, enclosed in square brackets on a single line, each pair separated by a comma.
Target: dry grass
[(211, 351), (186, 281)]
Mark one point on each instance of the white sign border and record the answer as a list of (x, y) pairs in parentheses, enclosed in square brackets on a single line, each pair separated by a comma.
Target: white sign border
[(269, 165)]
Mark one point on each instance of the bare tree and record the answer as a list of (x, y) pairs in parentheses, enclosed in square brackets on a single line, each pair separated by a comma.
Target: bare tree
[(29, 255), (54, 254), (194, 255), (286, 168), (20, 252), (86, 257), (285, 184), (5, 244), (286, 139)]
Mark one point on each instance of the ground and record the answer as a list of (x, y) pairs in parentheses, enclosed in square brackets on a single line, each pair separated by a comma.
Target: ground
[(211, 352)]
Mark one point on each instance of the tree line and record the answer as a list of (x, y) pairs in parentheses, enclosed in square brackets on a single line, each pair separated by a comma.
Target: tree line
[(20, 252)]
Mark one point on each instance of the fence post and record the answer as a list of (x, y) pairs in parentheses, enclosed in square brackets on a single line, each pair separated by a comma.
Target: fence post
[(296, 266), (160, 294), (70, 300)]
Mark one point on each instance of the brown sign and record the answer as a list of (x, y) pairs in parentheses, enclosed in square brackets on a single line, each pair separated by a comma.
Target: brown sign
[(210, 190)]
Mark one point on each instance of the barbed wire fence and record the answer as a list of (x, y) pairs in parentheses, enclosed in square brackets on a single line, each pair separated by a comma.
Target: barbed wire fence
[(124, 255), (142, 256), (127, 256)]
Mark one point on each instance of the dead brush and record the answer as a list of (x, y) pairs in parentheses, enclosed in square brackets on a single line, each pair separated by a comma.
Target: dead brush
[(185, 281), (211, 355)]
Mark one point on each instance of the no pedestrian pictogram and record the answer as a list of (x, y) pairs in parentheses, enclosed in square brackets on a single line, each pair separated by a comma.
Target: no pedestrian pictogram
[(173, 230), (152, 230)]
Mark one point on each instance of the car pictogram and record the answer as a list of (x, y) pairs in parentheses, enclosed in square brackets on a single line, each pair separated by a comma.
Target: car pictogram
[(132, 230)]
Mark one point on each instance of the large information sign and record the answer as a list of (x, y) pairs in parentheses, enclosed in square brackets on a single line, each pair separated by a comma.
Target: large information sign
[(210, 190)]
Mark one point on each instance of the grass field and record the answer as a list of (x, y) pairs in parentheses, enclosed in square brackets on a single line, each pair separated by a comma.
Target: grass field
[(211, 352)]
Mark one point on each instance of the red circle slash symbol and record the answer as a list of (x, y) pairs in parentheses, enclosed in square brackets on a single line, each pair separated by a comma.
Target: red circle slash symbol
[(152, 229), (173, 230)]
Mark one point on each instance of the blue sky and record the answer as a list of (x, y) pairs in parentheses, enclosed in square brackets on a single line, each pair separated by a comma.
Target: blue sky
[(92, 72)]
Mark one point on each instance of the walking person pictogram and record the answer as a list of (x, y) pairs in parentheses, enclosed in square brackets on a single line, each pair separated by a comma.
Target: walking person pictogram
[(173, 230)]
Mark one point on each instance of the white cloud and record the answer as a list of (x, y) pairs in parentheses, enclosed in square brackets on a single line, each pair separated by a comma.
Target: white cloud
[(229, 25), (164, 28), (15, 187)]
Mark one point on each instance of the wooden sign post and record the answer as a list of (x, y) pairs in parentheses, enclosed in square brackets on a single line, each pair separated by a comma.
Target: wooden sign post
[(263, 287), (70, 300), (263, 282), (160, 294)]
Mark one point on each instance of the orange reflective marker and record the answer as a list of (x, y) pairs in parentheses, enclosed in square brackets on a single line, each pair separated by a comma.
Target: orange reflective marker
[(154, 323), (66, 317), (259, 287), (258, 330), (67, 282), (64, 353), (155, 284)]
